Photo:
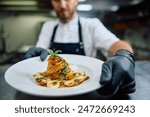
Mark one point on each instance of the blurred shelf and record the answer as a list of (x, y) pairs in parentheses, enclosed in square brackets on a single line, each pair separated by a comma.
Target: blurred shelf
[(25, 6), (130, 14)]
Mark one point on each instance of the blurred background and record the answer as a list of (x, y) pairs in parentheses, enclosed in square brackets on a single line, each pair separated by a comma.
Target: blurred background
[(21, 21)]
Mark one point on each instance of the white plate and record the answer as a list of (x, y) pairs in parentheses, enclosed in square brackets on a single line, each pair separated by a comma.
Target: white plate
[(20, 76)]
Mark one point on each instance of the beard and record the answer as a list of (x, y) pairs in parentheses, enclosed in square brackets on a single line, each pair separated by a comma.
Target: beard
[(65, 15)]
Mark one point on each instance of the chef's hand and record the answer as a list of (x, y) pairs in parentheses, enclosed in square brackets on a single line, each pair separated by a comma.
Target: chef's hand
[(36, 51), (118, 75)]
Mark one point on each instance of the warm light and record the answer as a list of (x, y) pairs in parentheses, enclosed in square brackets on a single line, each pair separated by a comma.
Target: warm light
[(82, 0), (114, 8), (18, 3), (84, 7)]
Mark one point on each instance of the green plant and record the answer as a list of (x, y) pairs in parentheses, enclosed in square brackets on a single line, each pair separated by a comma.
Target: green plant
[(52, 53)]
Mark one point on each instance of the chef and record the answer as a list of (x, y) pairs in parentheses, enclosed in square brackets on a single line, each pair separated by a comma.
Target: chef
[(84, 36)]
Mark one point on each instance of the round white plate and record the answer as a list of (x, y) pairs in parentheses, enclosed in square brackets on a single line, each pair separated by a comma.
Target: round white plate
[(20, 76)]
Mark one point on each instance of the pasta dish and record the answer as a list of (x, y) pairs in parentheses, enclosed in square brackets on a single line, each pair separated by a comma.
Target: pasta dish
[(59, 73)]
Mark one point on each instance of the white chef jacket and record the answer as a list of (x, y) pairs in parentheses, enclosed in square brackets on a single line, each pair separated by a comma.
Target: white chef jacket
[(95, 35)]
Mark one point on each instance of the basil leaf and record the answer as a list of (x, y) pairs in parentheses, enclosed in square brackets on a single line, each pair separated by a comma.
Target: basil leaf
[(57, 51), (50, 52)]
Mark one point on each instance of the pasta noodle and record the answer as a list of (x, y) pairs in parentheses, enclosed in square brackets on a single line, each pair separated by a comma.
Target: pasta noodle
[(58, 68), (59, 74)]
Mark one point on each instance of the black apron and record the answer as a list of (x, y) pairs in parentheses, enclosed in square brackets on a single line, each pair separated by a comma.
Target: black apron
[(68, 48)]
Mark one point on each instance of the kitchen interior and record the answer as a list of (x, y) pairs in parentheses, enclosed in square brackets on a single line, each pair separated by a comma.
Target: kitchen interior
[(21, 22)]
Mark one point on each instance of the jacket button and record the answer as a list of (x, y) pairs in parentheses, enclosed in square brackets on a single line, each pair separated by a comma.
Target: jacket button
[(81, 47), (77, 50), (81, 43)]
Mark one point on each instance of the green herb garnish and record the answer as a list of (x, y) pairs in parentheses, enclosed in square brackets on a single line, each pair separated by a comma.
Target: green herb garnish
[(77, 80), (40, 79), (54, 83), (52, 53), (60, 77)]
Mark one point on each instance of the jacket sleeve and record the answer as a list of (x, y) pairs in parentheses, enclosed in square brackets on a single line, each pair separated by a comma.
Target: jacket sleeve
[(103, 38)]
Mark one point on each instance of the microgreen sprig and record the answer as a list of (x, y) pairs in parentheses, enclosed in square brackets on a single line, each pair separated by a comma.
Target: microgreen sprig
[(52, 53)]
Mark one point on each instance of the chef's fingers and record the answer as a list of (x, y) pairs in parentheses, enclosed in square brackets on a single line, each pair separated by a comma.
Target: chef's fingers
[(129, 88), (43, 55), (106, 74)]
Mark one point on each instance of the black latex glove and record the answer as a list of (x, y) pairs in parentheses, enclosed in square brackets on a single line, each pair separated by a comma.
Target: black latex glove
[(118, 75), (32, 52)]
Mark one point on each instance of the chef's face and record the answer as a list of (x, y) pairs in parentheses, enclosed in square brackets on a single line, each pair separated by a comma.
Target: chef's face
[(65, 9)]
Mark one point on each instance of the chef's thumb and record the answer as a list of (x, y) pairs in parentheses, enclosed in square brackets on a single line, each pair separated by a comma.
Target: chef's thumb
[(106, 86), (106, 75), (43, 55)]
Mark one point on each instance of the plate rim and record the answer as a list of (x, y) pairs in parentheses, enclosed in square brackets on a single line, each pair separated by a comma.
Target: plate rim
[(46, 95)]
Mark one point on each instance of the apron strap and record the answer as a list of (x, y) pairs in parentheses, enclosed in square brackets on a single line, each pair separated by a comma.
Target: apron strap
[(53, 34), (80, 31)]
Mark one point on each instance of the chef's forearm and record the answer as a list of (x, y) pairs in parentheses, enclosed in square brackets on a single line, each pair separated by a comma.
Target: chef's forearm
[(119, 45)]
